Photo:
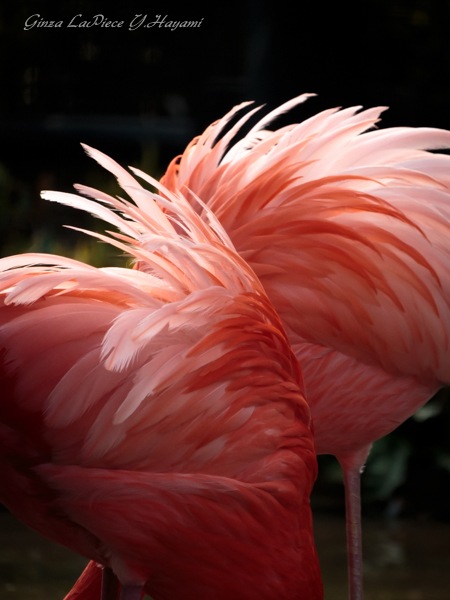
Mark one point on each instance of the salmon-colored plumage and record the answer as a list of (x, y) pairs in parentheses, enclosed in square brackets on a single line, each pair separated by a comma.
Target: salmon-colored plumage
[(348, 229), (153, 420)]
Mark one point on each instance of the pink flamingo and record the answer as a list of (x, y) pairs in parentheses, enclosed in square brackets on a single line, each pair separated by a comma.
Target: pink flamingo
[(154, 420), (348, 231)]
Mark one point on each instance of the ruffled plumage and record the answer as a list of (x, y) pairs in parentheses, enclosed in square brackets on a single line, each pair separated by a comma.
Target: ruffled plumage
[(347, 228), (154, 409)]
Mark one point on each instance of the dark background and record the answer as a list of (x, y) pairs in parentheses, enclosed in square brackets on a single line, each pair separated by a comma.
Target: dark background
[(140, 96)]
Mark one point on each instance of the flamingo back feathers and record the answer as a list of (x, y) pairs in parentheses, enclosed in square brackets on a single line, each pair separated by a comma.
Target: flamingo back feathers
[(346, 227), (181, 368)]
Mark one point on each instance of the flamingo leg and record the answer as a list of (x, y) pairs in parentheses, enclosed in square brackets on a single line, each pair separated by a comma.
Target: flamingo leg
[(110, 585), (132, 592), (354, 537), (352, 467)]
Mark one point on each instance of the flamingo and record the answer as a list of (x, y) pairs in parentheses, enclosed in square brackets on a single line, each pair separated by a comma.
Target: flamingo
[(347, 228), (154, 420)]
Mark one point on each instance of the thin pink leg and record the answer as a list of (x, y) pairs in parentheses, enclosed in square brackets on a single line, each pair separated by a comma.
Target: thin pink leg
[(352, 467), (110, 585), (354, 537)]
